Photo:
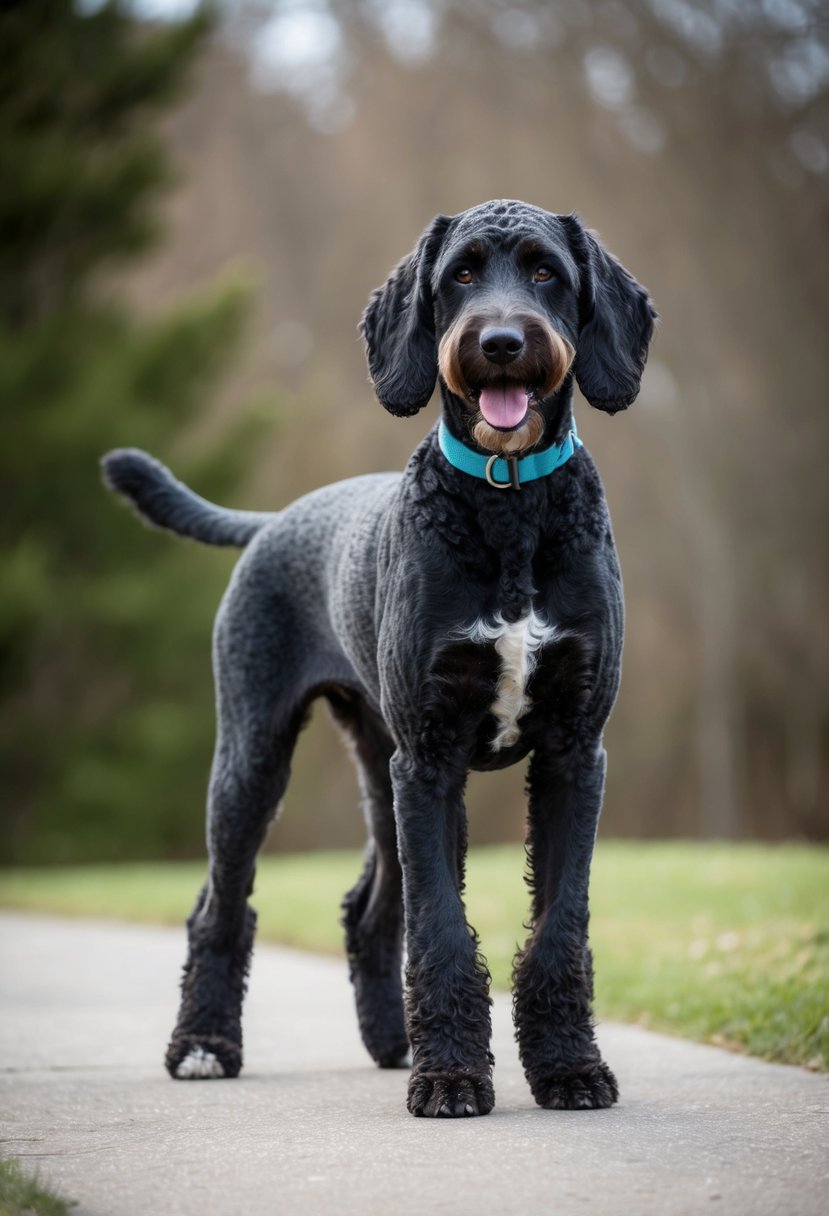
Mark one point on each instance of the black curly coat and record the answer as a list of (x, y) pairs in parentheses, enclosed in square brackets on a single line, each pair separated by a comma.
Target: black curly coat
[(450, 625)]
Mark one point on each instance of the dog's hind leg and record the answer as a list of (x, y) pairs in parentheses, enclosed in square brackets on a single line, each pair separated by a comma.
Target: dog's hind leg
[(373, 908), (245, 789), (260, 711)]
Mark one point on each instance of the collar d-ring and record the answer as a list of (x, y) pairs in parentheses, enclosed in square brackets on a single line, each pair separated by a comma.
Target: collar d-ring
[(512, 464)]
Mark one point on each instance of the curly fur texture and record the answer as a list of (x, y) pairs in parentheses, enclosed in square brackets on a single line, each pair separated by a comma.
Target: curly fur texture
[(450, 626)]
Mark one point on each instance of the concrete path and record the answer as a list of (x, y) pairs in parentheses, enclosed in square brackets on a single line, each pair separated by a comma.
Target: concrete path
[(313, 1128)]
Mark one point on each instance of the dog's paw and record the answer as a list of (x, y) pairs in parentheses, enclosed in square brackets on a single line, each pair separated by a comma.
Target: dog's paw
[(206, 1057), (395, 1056), (385, 1041), (451, 1094), (592, 1087), (199, 1064), (388, 1050)]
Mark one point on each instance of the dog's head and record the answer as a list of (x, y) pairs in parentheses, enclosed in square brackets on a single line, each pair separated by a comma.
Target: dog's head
[(504, 301)]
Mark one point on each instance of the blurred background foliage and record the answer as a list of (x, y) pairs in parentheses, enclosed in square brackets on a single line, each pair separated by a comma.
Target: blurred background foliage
[(193, 210)]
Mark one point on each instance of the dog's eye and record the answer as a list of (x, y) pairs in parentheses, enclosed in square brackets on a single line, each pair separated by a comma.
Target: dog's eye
[(543, 274), (463, 275)]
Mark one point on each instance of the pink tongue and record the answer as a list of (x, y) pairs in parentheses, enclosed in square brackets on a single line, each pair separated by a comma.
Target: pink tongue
[(503, 405)]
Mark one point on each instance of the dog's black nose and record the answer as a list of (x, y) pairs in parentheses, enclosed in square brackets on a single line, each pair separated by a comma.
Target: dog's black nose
[(502, 345)]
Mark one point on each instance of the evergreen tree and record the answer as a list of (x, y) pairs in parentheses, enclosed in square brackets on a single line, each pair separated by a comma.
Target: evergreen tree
[(106, 712)]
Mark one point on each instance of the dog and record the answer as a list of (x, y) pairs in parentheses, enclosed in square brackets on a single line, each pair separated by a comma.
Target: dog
[(465, 614)]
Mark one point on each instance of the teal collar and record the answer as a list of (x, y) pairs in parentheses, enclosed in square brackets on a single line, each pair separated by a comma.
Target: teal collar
[(506, 472)]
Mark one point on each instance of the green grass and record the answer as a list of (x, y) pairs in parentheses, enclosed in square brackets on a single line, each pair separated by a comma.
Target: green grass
[(722, 943), (21, 1195)]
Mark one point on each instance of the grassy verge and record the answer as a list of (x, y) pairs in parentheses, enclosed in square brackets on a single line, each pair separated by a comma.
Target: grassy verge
[(726, 944), (21, 1195)]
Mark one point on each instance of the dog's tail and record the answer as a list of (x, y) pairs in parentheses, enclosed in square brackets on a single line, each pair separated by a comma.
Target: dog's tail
[(163, 502)]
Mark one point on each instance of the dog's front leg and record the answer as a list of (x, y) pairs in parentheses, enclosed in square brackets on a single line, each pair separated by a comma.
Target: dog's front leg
[(554, 974), (447, 985)]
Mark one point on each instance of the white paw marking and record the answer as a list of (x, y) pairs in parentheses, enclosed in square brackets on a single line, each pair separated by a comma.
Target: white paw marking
[(199, 1064), (518, 644)]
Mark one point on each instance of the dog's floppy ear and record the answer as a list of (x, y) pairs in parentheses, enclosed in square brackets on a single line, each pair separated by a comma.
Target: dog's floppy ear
[(616, 321), (398, 328)]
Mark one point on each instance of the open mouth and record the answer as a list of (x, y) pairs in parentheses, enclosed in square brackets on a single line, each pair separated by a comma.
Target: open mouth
[(507, 419), (504, 404)]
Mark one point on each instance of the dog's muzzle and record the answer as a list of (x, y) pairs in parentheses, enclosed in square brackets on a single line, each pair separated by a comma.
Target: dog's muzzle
[(503, 369)]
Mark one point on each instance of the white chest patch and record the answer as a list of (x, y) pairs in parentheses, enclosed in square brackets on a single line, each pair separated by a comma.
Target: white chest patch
[(518, 645)]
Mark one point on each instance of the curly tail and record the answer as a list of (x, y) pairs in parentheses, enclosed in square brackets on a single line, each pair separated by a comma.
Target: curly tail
[(163, 502)]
